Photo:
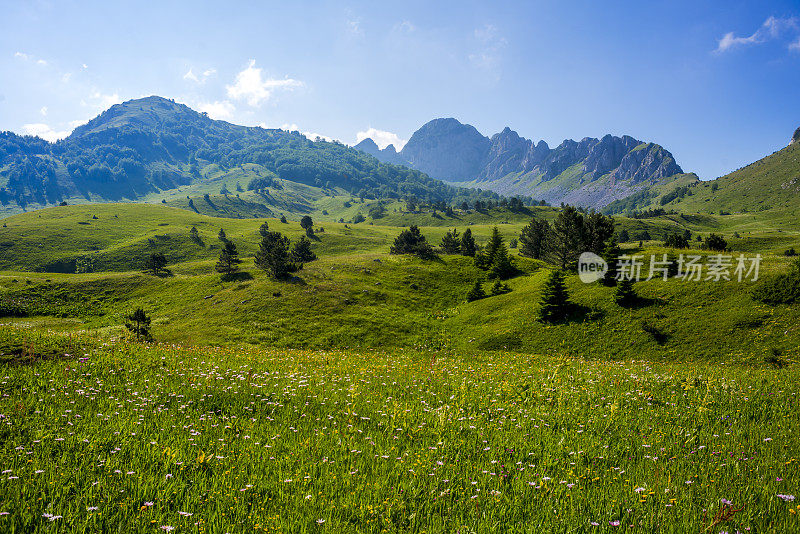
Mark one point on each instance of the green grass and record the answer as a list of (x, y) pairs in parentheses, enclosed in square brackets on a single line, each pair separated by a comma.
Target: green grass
[(357, 295), (769, 184), (138, 438)]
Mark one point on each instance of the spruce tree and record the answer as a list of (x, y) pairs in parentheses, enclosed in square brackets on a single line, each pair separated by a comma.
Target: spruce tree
[(301, 251), (501, 266), (194, 235), (138, 323), (498, 288), (411, 241), (554, 305), (156, 263), (263, 229), (625, 294), (451, 242), (468, 247), (273, 255), (567, 238), (228, 259), (495, 243), (476, 293), (221, 235), (611, 255)]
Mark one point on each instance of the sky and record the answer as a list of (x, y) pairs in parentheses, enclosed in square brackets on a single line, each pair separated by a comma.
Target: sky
[(715, 83)]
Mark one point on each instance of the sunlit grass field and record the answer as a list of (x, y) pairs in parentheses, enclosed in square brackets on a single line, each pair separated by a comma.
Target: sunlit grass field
[(122, 437)]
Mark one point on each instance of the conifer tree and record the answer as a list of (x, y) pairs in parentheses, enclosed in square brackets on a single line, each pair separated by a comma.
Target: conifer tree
[(301, 252), (263, 229), (611, 255), (476, 293), (501, 266), (411, 241), (625, 294), (138, 323), (554, 305), (273, 255), (468, 247), (451, 242), (221, 235), (156, 263), (228, 259)]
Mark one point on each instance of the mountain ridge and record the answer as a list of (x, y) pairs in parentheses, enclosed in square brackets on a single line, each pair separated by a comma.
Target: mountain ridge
[(507, 163), (143, 147)]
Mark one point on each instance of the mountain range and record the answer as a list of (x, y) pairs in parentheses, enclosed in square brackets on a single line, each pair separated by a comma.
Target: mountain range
[(142, 149), (590, 172), (156, 150)]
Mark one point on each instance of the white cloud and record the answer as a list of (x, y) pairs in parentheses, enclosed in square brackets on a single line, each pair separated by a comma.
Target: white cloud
[(772, 28), (101, 101), (404, 27), (79, 122), (45, 132), (382, 138), (191, 76), (43, 111), (488, 54), (65, 78), (251, 86), (795, 45), (84, 66), (295, 128), (27, 57), (219, 110)]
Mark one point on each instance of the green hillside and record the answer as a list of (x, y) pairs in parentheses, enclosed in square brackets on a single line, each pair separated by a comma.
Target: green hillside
[(356, 294), (769, 184)]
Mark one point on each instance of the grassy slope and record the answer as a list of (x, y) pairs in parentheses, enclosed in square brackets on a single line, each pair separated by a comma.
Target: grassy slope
[(350, 299), (771, 183)]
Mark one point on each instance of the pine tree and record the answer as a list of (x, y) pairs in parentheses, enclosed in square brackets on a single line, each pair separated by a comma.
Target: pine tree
[(468, 247), (228, 259), (283, 219), (221, 235), (498, 288), (156, 263), (301, 252), (495, 243), (625, 294), (138, 323), (451, 242), (501, 266), (611, 255), (411, 241), (273, 255), (554, 305), (567, 237), (263, 229), (194, 235), (476, 293)]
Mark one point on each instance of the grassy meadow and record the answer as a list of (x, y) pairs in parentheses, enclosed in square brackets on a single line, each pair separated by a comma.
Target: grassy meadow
[(368, 396), (152, 438)]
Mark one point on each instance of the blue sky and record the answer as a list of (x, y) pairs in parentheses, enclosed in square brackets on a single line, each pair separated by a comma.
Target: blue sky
[(716, 83)]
